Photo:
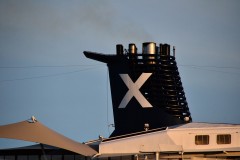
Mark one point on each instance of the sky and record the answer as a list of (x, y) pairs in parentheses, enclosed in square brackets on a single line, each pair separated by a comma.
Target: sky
[(44, 73)]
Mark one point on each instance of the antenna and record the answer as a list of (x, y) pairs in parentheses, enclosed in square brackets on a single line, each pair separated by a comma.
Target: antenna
[(174, 51)]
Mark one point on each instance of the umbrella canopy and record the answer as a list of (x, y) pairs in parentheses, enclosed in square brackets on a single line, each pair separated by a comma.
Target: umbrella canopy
[(34, 131)]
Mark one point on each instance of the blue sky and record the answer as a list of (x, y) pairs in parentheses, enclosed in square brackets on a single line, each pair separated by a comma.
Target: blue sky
[(44, 73)]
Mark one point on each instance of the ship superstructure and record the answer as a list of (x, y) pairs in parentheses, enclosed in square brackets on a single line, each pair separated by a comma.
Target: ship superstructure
[(151, 116)]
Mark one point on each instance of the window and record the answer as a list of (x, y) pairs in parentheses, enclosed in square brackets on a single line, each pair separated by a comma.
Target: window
[(202, 139), (68, 157), (22, 157), (223, 139), (45, 157), (33, 157), (9, 157)]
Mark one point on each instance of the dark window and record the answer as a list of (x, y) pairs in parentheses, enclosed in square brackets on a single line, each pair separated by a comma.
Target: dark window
[(202, 139), (33, 157), (9, 157), (22, 157), (79, 157), (68, 157), (223, 139), (45, 157)]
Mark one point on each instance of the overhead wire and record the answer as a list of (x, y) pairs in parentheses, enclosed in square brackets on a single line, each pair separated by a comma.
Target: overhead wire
[(208, 66), (81, 65), (44, 66), (215, 68), (49, 75), (230, 70)]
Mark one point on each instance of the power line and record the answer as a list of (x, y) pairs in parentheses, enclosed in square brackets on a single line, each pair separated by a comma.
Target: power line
[(45, 66), (46, 76), (199, 67), (206, 66), (209, 68), (81, 65)]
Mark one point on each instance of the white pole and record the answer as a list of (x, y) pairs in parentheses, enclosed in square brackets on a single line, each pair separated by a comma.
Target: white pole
[(157, 155)]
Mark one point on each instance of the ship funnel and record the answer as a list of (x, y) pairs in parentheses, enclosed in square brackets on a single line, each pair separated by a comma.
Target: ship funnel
[(146, 88)]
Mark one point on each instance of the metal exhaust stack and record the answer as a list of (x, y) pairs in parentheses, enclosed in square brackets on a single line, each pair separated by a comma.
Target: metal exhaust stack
[(119, 49), (149, 52), (164, 49), (132, 50)]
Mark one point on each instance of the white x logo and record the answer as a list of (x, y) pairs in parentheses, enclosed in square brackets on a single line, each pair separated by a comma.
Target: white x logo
[(134, 90)]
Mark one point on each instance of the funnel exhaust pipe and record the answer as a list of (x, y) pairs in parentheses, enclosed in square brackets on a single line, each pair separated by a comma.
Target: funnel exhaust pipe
[(119, 49), (149, 52)]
